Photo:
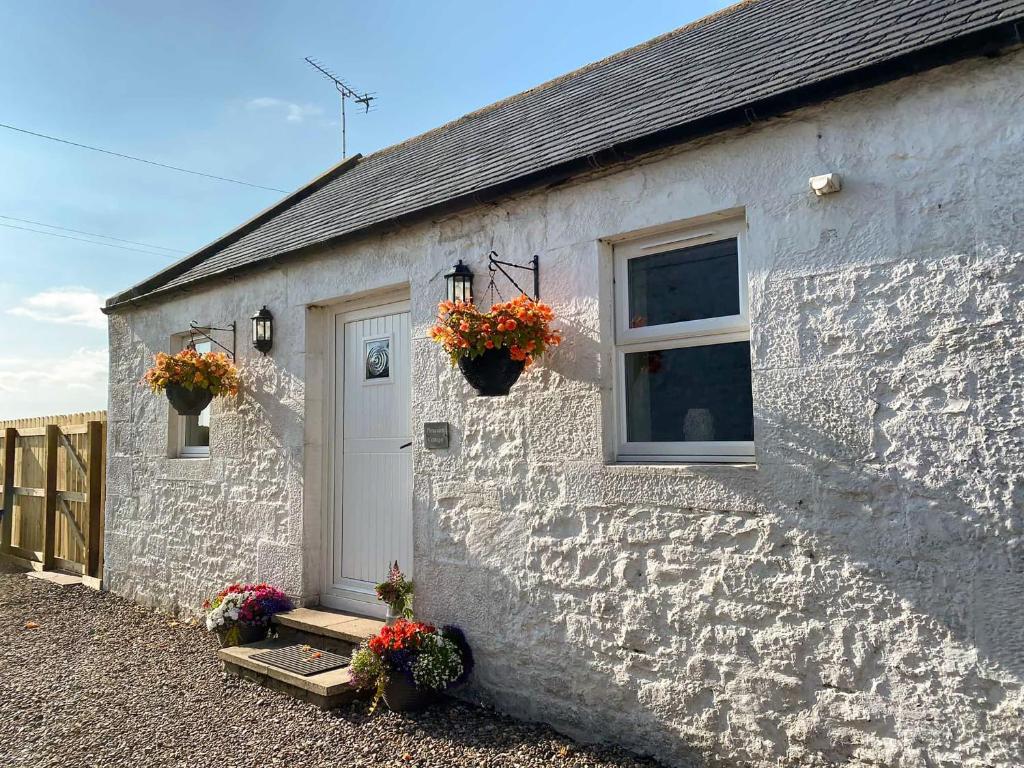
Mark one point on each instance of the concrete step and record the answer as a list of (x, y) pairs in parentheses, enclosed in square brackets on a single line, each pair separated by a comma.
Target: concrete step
[(326, 689), (325, 629)]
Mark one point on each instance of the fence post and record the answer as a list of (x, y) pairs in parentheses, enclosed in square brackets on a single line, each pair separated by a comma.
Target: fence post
[(95, 499), (7, 501), (50, 510)]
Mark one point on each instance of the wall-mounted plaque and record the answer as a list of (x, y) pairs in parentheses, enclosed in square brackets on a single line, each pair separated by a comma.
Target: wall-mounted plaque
[(435, 434)]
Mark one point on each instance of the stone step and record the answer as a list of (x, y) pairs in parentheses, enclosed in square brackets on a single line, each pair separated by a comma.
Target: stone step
[(326, 689), (325, 629)]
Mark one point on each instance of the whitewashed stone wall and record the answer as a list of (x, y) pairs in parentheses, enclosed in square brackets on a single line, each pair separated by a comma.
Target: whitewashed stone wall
[(853, 599)]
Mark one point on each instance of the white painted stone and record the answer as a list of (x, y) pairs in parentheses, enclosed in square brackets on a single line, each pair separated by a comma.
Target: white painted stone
[(852, 599)]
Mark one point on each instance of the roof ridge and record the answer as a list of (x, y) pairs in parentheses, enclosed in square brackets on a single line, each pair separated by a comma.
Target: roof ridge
[(746, 63), (704, 20), (200, 255)]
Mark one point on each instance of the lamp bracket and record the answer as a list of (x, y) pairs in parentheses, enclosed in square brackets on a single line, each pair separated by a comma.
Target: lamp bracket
[(494, 264), (203, 333)]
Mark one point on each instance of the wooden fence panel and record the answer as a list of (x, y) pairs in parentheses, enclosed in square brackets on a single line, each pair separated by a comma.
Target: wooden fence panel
[(53, 470)]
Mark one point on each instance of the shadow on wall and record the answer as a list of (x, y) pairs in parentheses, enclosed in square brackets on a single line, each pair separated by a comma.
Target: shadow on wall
[(179, 530), (855, 598), (829, 625)]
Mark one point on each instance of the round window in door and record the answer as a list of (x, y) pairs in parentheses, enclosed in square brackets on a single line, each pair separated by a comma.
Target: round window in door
[(377, 367)]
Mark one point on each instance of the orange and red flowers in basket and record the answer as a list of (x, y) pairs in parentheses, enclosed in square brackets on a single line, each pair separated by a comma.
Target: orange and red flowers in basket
[(521, 325), (190, 369)]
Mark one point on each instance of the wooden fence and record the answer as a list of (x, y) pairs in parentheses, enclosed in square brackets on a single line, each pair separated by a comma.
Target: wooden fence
[(53, 471)]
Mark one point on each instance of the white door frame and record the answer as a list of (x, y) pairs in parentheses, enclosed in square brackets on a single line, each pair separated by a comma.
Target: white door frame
[(358, 309)]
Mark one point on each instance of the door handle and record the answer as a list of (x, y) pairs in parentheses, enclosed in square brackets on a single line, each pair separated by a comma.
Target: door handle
[(404, 446)]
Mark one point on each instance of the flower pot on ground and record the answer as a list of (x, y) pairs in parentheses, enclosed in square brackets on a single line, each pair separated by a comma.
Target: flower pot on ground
[(493, 348), (241, 633), (402, 695), (187, 402), (493, 372), (409, 664), (396, 593), (191, 379), (240, 613)]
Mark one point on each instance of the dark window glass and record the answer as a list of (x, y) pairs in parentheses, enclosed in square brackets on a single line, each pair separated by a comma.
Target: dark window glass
[(378, 359), (685, 284), (692, 394), (197, 430)]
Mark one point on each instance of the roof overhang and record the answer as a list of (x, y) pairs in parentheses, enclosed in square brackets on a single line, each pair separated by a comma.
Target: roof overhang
[(989, 42)]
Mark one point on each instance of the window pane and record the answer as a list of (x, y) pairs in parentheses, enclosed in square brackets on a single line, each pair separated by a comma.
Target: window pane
[(197, 429), (692, 394), (685, 284)]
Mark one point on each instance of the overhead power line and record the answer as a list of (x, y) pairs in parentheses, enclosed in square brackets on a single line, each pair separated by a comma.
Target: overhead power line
[(90, 234), (138, 159), (83, 240)]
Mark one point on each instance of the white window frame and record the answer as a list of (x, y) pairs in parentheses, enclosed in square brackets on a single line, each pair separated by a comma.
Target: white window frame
[(690, 333), (179, 426)]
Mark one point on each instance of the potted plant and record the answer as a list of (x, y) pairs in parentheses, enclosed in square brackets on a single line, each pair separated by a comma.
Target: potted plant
[(493, 348), (241, 613), (191, 379), (409, 663), (396, 592)]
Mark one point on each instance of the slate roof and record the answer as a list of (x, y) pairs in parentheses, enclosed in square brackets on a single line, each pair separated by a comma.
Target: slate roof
[(750, 61)]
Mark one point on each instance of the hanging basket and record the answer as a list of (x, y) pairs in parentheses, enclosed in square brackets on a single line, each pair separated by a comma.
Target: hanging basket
[(188, 402), (493, 373)]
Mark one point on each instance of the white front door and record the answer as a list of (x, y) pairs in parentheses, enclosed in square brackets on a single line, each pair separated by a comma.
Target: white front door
[(372, 473)]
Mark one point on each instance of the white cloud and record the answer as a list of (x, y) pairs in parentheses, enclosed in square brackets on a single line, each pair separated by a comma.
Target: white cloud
[(64, 306), (44, 385), (293, 113)]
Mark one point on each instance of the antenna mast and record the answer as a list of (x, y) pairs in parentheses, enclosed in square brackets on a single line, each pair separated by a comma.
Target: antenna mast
[(346, 92)]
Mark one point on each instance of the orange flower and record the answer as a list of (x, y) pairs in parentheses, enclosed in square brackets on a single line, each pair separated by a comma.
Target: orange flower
[(520, 325), (193, 370)]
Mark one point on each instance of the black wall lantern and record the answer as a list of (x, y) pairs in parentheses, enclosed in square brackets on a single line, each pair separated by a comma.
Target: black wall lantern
[(460, 283), (263, 330)]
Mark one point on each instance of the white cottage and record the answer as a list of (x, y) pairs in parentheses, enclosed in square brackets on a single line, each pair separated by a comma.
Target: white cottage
[(764, 504)]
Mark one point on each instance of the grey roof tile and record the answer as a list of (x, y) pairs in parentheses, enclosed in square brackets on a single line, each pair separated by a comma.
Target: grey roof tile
[(738, 57)]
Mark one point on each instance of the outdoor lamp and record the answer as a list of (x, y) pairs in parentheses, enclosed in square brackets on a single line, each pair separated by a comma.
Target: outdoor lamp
[(263, 330), (460, 283)]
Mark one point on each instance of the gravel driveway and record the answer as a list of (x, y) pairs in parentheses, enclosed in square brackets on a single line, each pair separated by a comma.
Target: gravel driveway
[(102, 682)]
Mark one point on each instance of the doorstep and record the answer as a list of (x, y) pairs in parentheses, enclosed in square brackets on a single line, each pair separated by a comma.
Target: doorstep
[(326, 689), (338, 629)]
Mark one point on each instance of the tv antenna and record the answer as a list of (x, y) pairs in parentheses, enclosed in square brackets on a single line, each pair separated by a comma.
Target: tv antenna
[(346, 92)]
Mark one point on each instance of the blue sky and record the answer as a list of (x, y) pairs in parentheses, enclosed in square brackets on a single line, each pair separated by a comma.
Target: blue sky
[(221, 87)]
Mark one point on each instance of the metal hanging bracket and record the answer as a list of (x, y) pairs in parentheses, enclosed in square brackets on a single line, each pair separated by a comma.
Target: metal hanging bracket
[(494, 264), (203, 332)]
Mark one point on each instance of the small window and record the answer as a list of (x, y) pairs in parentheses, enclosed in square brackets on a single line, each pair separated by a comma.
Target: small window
[(193, 432), (683, 347), (377, 360)]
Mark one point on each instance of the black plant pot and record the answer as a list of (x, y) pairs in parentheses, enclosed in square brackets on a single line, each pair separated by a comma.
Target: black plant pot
[(240, 633), (493, 373), (402, 695), (188, 402)]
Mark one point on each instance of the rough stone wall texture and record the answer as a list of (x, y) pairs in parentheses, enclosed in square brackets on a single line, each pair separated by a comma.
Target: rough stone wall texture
[(853, 599)]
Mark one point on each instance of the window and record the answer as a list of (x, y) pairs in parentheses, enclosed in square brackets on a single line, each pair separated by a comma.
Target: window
[(682, 337), (193, 432)]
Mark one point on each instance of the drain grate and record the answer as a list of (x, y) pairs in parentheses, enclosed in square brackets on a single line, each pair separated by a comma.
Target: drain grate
[(301, 659)]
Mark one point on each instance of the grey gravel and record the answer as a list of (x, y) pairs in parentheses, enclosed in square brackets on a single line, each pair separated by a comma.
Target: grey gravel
[(103, 682)]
